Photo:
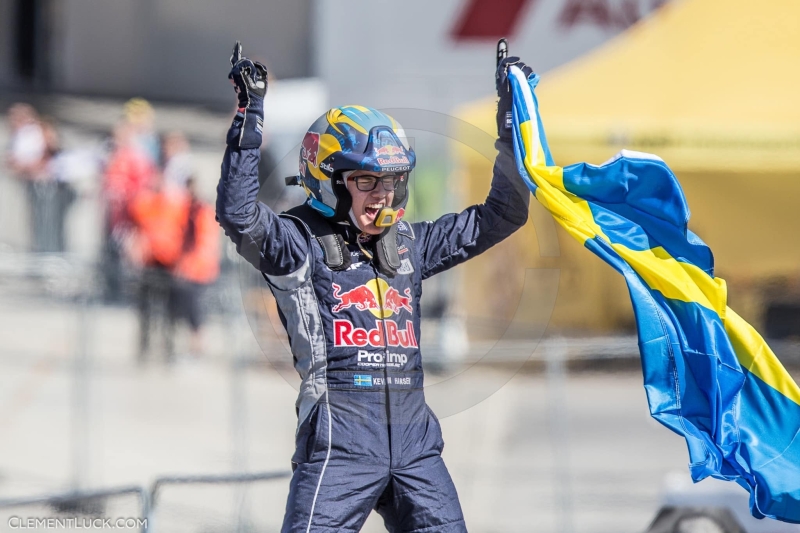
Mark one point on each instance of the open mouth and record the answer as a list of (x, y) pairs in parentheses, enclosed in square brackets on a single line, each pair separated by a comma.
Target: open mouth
[(372, 210)]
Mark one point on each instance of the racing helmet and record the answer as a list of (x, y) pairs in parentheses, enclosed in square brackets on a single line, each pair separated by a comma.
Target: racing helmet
[(353, 138)]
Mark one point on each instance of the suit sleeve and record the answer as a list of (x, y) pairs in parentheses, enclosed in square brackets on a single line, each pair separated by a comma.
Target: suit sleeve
[(457, 237), (274, 245)]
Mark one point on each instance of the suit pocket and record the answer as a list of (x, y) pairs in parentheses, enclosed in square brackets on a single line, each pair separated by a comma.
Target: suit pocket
[(434, 429), (310, 436)]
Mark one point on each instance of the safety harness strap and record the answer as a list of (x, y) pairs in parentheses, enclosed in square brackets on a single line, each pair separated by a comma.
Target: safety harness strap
[(334, 247), (386, 254)]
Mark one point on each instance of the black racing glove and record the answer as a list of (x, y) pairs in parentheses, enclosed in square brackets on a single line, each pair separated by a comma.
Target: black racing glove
[(250, 81), (504, 92)]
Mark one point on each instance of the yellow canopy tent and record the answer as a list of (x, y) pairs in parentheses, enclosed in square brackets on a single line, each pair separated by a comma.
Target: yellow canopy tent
[(712, 87)]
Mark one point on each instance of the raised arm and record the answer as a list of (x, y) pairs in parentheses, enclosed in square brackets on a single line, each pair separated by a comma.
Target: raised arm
[(274, 245), (454, 238)]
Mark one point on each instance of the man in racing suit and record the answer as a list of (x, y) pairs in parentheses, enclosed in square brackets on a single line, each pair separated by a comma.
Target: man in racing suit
[(347, 273)]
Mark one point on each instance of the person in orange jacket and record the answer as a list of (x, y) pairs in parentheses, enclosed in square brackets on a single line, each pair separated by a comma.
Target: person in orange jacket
[(128, 172), (198, 265), (160, 215)]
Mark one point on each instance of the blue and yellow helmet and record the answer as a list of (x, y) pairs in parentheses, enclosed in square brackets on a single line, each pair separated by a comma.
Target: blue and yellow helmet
[(353, 138)]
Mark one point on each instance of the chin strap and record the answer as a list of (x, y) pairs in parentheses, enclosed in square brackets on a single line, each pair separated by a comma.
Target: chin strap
[(387, 217)]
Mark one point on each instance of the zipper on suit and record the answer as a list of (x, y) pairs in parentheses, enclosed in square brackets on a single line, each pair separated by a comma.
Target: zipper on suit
[(385, 368)]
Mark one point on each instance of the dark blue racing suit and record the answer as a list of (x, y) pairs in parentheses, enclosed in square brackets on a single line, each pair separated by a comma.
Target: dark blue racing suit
[(366, 438)]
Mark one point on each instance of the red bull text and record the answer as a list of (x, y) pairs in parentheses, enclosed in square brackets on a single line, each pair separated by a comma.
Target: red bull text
[(394, 160), (345, 333)]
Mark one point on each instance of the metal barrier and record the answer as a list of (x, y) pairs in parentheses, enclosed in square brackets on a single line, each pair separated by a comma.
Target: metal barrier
[(203, 480), (88, 501), (212, 479), (81, 501)]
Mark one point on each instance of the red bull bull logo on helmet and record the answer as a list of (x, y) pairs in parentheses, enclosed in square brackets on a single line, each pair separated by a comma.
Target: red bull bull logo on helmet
[(388, 150), (310, 148), (375, 296)]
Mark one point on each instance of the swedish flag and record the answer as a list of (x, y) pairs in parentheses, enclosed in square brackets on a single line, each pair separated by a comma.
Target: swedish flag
[(361, 380), (709, 376)]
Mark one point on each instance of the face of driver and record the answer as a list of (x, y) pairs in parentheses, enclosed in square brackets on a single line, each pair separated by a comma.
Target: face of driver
[(367, 204)]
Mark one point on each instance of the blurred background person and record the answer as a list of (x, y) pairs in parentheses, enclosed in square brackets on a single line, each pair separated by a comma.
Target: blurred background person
[(127, 172), (62, 193), (26, 159), (27, 143), (159, 217), (197, 268), (141, 117), (176, 158)]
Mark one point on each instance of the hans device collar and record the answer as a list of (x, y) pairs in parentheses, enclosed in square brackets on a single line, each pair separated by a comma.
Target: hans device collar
[(334, 246)]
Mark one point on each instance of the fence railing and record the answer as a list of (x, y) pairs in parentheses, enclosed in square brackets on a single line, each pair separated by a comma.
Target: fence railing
[(90, 501)]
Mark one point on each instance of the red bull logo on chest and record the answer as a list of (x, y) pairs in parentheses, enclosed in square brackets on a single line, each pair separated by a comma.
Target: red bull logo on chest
[(386, 333), (375, 296)]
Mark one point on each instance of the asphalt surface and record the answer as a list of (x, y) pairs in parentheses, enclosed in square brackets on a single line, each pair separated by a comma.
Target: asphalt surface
[(547, 452)]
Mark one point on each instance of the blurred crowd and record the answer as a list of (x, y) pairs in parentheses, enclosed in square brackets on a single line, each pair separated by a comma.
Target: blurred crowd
[(161, 242)]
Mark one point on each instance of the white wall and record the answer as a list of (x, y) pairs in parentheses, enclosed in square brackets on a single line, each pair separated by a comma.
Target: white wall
[(384, 53), (176, 49)]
